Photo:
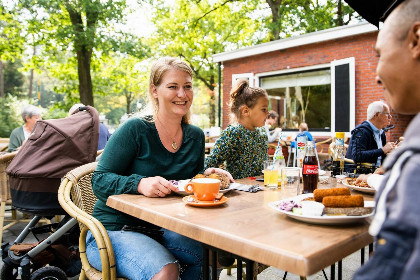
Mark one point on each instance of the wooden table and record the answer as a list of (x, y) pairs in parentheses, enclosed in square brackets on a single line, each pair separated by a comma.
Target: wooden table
[(247, 227)]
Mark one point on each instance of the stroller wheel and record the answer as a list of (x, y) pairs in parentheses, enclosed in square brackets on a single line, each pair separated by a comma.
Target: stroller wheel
[(8, 272), (49, 273)]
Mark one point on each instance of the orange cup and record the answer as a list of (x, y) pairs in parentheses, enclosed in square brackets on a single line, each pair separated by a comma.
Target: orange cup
[(204, 188)]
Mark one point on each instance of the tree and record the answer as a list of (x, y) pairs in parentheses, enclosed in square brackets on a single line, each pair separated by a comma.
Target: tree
[(123, 76), (11, 41), (85, 27), (196, 30), (291, 17), (13, 79)]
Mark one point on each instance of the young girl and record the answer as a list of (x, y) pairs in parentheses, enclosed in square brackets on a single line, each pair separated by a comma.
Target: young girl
[(243, 145)]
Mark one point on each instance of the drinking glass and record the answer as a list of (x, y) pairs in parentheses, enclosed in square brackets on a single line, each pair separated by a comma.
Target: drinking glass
[(290, 186), (271, 174)]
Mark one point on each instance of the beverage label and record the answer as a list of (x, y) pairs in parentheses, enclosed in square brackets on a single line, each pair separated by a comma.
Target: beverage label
[(310, 169), (339, 141)]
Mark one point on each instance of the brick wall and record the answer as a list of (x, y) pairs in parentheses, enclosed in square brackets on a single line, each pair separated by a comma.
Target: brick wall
[(361, 47)]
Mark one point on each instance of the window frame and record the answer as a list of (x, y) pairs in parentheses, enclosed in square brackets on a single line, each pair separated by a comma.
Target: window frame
[(332, 65)]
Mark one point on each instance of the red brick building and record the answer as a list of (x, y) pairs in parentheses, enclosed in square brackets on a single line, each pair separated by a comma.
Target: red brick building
[(325, 78)]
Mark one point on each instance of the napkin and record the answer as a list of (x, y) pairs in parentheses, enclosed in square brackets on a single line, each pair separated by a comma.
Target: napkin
[(245, 188)]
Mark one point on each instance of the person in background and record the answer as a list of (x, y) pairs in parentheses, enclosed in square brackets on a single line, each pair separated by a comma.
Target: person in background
[(368, 141), (272, 134), (303, 131), (396, 224), (140, 158), (104, 134), (243, 145), (30, 115)]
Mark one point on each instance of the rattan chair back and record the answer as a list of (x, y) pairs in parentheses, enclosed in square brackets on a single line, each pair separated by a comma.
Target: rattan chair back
[(77, 199)]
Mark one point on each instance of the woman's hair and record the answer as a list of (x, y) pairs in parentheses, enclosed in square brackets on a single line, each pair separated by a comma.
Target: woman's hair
[(244, 95), (29, 111), (159, 68)]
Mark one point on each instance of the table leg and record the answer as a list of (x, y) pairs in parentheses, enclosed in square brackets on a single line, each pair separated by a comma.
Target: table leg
[(249, 270), (370, 249), (362, 256), (239, 269), (333, 272), (213, 264), (340, 270), (206, 263)]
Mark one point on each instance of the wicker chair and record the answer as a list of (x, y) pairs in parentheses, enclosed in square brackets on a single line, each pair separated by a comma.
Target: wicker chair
[(77, 199), (5, 198)]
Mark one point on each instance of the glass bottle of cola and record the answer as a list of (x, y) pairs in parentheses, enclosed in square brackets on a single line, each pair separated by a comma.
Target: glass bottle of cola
[(310, 169)]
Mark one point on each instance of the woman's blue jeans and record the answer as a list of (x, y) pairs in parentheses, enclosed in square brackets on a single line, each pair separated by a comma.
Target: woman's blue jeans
[(138, 256)]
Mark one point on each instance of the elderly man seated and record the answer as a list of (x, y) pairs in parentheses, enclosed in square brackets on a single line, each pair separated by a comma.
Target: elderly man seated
[(368, 141)]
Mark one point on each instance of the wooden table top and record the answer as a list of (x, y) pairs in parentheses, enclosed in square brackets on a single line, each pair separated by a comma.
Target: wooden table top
[(246, 226)]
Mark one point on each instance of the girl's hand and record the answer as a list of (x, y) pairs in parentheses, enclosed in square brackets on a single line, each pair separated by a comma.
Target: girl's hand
[(155, 187), (219, 171)]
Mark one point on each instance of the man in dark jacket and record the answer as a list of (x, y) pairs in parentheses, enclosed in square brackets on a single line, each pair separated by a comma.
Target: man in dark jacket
[(396, 225), (368, 141)]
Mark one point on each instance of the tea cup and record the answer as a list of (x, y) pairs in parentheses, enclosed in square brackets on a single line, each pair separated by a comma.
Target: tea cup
[(205, 189)]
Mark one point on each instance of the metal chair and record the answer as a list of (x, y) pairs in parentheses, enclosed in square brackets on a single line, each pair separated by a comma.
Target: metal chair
[(76, 197)]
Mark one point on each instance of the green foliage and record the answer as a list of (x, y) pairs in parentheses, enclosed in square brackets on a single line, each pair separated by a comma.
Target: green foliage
[(114, 115), (197, 30), (10, 117), (13, 79), (295, 17), (11, 40), (54, 112)]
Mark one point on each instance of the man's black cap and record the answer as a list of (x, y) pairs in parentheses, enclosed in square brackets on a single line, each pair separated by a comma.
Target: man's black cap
[(374, 11)]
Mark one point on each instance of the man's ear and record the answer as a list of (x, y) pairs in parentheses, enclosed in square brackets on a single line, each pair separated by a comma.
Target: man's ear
[(414, 40)]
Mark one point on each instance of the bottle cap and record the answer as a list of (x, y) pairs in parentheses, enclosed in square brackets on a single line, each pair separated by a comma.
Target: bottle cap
[(339, 135)]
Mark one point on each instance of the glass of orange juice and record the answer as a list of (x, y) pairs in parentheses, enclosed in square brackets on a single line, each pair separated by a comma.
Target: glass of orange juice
[(271, 174)]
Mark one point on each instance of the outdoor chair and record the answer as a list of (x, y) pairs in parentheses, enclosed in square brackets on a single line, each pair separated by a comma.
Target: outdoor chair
[(5, 197), (76, 197)]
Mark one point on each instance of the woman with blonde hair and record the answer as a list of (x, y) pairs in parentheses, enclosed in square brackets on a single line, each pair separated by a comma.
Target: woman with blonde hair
[(141, 158)]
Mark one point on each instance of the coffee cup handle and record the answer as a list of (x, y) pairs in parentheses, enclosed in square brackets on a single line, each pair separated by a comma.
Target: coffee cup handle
[(189, 188)]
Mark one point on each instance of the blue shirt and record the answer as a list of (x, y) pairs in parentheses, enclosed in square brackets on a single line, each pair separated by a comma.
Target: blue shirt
[(377, 135)]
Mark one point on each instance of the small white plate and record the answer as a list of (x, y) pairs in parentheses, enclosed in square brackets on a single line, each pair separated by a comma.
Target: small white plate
[(320, 220), (183, 183), (359, 189)]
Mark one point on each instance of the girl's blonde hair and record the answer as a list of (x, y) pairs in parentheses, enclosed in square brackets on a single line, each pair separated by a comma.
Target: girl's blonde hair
[(244, 95), (159, 68)]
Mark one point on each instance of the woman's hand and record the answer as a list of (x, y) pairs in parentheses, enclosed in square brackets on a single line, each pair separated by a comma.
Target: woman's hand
[(155, 187), (219, 171)]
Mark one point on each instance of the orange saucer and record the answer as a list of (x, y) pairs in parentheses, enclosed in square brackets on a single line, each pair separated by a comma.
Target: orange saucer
[(191, 200)]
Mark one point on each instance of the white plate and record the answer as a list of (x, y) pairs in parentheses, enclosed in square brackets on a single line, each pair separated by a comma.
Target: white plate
[(321, 220), (360, 189), (321, 172), (183, 183)]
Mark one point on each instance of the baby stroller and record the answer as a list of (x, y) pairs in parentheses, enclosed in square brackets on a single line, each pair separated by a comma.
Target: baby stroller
[(54, 148)]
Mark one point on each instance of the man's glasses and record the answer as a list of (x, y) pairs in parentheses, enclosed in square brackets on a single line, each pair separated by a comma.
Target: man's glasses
[(387, 114)]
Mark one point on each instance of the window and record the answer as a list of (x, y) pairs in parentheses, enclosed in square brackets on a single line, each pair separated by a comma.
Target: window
[(301, 97)]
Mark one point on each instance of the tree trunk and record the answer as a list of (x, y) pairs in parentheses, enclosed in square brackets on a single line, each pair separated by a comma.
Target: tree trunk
[(85, 79), (31, 78), (340, 21), (275, 12), (212, 116), (1, 80), (31, 82)]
